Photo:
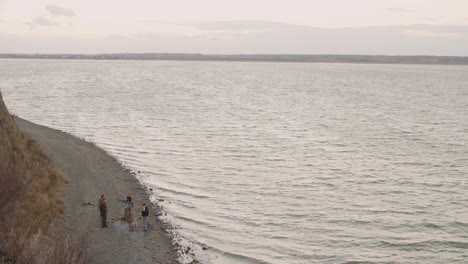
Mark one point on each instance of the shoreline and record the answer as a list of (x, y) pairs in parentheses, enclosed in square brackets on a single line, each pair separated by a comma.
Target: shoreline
[(90, 172)]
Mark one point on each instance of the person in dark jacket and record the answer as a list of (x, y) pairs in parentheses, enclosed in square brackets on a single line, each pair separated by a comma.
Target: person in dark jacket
[(102, 206), (144, 213)]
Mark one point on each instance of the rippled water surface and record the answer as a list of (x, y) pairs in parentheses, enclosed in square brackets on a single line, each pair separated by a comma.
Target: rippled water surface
[(276, 162)]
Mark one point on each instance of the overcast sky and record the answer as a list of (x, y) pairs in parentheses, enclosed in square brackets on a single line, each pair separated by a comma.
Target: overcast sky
[(397, 27)]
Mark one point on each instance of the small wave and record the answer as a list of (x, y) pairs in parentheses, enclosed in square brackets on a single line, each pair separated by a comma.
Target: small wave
[(418, 246), (352, 222), (409, 163), (192, 220), (459, 224), (395, 212), (359, 262), (431, 226), (239, 257), (185, 193)]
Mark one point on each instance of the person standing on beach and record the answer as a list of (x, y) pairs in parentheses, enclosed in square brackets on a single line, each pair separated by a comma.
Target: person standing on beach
[(129, 213), (102, 206), (144, 213)]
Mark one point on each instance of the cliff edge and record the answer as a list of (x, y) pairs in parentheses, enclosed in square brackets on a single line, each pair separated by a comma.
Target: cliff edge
[(29, 188)]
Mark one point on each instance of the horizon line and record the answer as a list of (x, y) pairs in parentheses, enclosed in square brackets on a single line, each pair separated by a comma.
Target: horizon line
[(230, 54)]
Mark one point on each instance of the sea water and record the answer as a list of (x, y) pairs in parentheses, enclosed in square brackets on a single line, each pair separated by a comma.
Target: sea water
[(291, 163)]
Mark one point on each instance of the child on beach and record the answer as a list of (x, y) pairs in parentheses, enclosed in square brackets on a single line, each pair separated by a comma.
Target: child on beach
[(129, 213), (144, 213)]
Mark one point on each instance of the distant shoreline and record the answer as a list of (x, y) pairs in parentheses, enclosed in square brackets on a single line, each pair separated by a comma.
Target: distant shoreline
[(358, 59)]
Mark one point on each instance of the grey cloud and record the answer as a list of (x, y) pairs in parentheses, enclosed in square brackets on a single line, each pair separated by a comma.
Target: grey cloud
[(292, 39), (56, 10), (237, 29), (226, 28), (43, 21), (398, 9), (441, 31), (241, 25), (459, 29), (429, 19)]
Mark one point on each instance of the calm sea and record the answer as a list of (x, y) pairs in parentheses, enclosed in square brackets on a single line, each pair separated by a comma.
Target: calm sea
[(276, 162)]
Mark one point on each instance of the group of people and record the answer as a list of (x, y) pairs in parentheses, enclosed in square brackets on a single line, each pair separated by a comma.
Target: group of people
[(128, 215)]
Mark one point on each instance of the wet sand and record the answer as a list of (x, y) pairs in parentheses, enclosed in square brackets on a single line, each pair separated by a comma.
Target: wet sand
[(92, 172)]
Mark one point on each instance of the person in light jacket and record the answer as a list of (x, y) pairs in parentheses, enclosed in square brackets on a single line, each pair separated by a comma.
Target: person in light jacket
[(144, 213)]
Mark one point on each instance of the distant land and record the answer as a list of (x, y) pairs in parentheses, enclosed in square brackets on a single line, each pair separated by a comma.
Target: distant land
[(449, 60)]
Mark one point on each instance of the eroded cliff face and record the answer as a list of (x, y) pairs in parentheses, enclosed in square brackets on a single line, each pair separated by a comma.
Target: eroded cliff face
[(29, 186)]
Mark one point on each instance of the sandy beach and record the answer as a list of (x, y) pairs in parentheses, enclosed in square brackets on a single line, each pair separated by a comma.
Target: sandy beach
[(91, 172)]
